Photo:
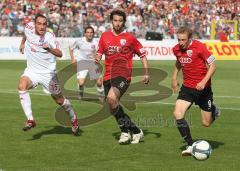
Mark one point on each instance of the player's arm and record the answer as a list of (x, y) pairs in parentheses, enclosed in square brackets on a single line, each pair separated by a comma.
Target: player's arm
[(141, 52), (145, 68), (210, 61), (73, 60), (53, 47), (176, 69), (55, 51), (22, 45), (100, 50), (211, 70)]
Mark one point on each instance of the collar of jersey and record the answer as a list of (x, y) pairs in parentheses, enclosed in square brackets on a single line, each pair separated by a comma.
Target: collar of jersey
[(124, 31)]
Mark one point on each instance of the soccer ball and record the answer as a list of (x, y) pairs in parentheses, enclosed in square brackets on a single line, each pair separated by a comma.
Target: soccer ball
[(201, 150)]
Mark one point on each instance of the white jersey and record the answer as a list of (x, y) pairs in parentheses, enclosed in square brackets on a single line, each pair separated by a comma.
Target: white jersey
[(84, 50), (39, 60)]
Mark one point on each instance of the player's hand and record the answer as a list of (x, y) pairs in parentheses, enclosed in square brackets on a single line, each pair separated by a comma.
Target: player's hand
[(21, 48), (46, 46), (146, 79), (98, 58), (200, 86), (175, 85)]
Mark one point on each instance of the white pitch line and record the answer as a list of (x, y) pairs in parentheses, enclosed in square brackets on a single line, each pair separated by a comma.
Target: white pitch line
[(158, 102), (223, 108), (231, 97), (11, 91)]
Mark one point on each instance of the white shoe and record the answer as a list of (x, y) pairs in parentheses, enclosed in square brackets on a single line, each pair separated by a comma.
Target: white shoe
[(124, 138), (188, 151), (137, 137)]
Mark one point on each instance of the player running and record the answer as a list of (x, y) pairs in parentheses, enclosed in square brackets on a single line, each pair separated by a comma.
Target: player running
[(86, 48), (198, 66), (41, 49), (119, 46)]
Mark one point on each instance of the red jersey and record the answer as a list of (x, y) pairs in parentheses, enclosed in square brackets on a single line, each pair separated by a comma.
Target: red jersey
[(193, 62), (119, 51)]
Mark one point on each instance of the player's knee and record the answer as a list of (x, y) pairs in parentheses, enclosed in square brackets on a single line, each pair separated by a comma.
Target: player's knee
[(22, 87), (111, 101), (178, 115), (59, 101), (81, 82), (99, 84), (206, 123)]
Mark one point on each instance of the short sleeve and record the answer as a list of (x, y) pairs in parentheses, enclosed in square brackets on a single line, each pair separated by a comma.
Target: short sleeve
[(53, 42), (206, 55), (74, 45), (138, 48)]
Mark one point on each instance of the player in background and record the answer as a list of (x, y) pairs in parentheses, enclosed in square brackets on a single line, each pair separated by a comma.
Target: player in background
[(86, 48), (41, 49), (198, 66), (119, 46)]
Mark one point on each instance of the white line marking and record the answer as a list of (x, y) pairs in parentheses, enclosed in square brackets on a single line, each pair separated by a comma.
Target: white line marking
[(38, 92)]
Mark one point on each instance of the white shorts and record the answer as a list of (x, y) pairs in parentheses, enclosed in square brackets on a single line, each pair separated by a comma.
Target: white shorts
[(49, 81), (84, 67)]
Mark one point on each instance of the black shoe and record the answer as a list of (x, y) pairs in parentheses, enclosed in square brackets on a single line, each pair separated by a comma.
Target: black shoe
[(215, 111)]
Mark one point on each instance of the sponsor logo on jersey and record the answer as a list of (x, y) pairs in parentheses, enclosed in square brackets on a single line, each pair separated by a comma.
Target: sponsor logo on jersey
[(117, 49), (184, 60), (189, 53), (123, 41), (41, 40), (93, 46)]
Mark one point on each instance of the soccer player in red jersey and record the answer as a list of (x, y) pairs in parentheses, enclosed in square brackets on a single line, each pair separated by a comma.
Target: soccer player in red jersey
[(119, 46), (198, 66)]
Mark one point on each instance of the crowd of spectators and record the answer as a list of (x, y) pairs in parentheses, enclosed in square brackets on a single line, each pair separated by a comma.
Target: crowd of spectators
[(67, 18)]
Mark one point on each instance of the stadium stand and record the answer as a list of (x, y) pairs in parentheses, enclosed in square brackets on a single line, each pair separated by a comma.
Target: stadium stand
[(69, 17)]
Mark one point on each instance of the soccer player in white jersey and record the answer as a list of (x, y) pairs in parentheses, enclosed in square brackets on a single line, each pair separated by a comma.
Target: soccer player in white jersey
[(82, 52), (41, 49)]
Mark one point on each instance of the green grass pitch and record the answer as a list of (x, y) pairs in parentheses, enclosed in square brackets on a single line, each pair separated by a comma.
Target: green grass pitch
[(51, 146)]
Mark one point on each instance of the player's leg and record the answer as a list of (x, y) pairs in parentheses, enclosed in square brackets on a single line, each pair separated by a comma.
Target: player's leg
[(50, 82), (81, 77), (181, 107), (95, 74), (81, 82), (113, 103), (66, 105), (100, 88), (206, 118), (26, 83), (118, 87), (209, 110), (183, 103)]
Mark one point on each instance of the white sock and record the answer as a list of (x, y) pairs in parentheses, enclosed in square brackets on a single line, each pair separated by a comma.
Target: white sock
[(100, 90), (68, 108), (26, 104)]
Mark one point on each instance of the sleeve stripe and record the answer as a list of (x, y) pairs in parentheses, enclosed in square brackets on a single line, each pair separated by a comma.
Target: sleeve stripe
[(210, 59), (143, 55)]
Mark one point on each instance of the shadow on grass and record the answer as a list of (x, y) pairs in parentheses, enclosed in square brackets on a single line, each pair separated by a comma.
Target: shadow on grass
[(116, 135), (214, 144), (55, 130)]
